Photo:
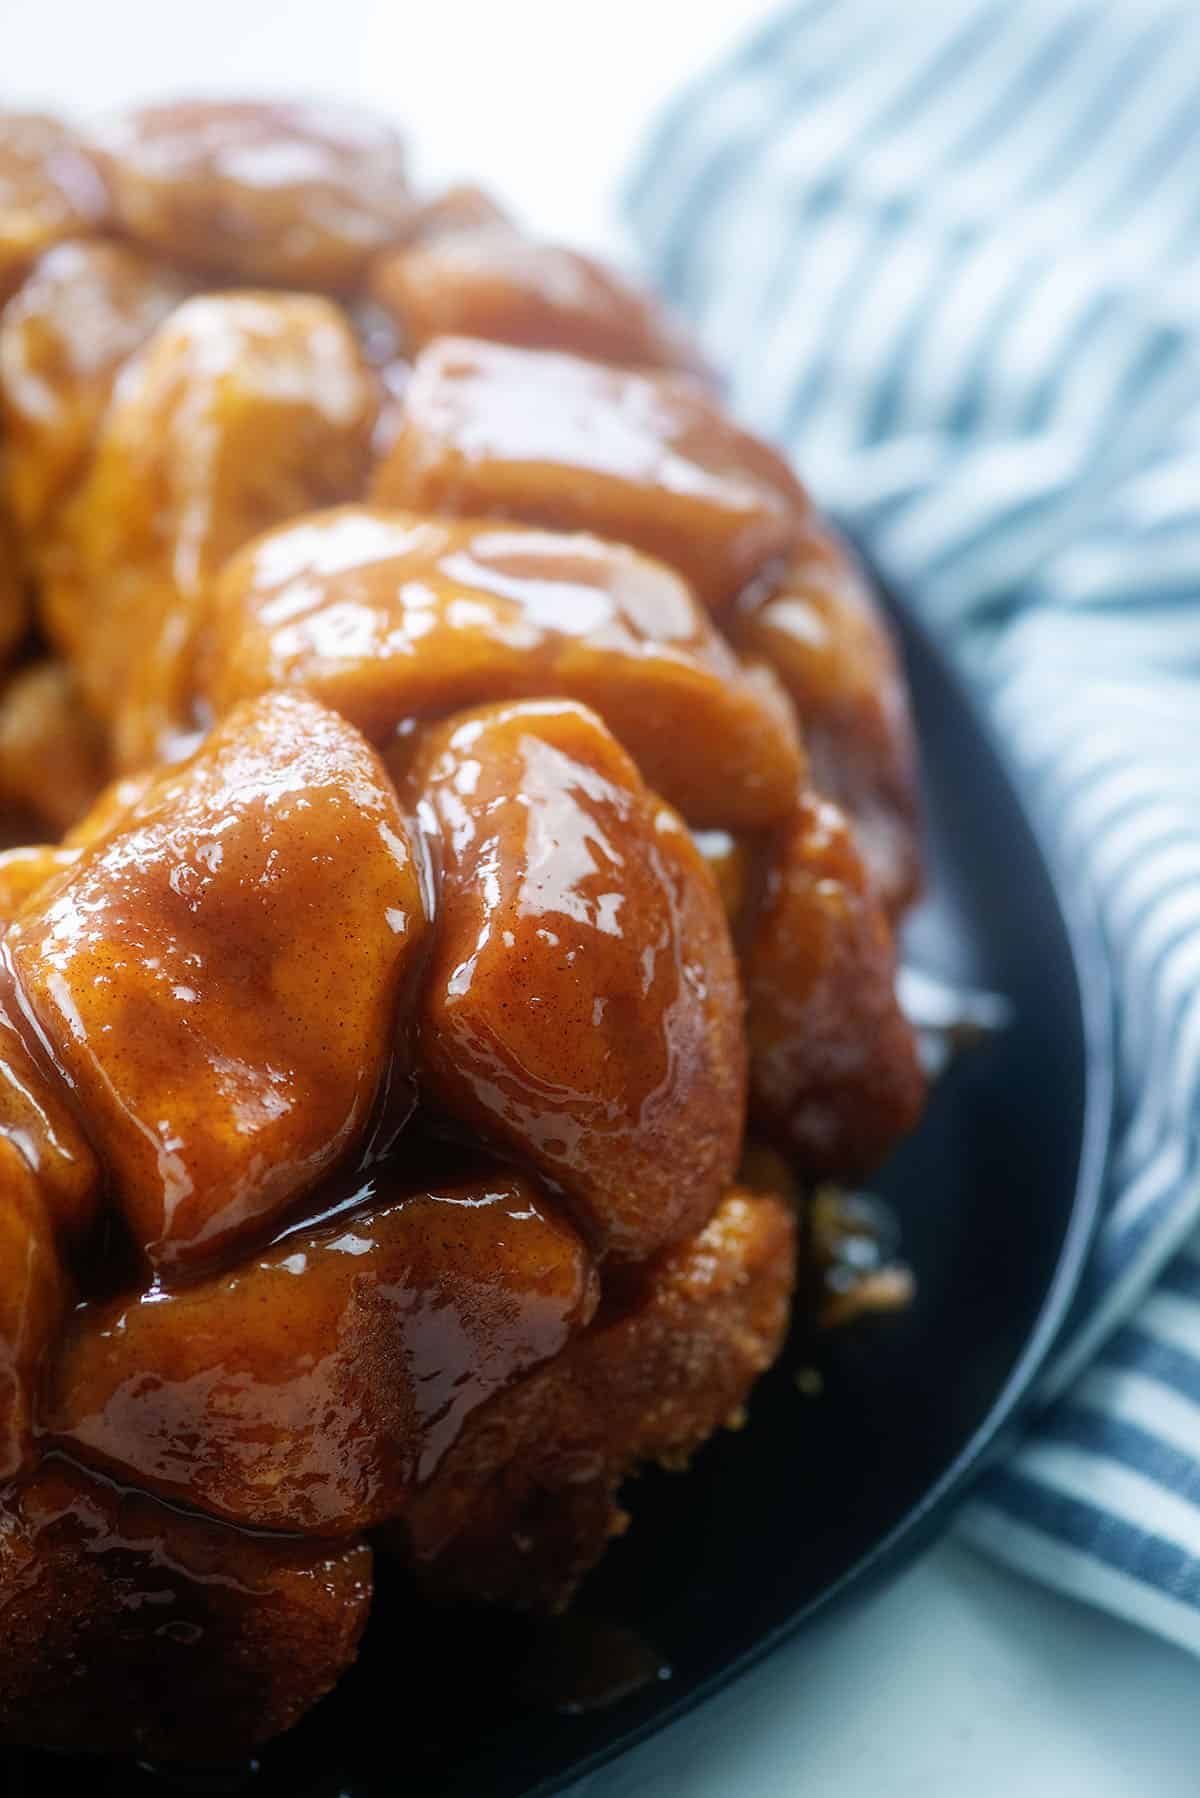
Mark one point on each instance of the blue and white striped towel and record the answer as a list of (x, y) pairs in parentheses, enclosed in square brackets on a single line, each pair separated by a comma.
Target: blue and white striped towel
[(951, 256)]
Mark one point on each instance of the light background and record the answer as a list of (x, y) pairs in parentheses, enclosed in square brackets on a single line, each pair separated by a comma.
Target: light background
[(958, 1681)]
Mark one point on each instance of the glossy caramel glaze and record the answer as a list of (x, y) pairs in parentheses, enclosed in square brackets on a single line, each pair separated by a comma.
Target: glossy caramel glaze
[(820, 628), (241, 409), (53, 753), (39, 1124), (49, 189), (25, 868), (581, 1007), (107, 809), (648, 459), (835, 1076), (33, 1300), (494, 282), (82, 311), (526, 1502), (313, 1385), (730, 861), (131, 1626), (218, 977), (286, 191), (390, 618)]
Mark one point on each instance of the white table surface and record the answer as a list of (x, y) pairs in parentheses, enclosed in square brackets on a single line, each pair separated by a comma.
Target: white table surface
[(960, 1680)]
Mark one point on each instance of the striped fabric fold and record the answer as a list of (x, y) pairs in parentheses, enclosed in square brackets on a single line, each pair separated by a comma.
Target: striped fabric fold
[(950, 255)]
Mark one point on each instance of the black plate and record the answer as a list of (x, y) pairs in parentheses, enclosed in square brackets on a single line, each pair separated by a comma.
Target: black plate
[(997, 1194)]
